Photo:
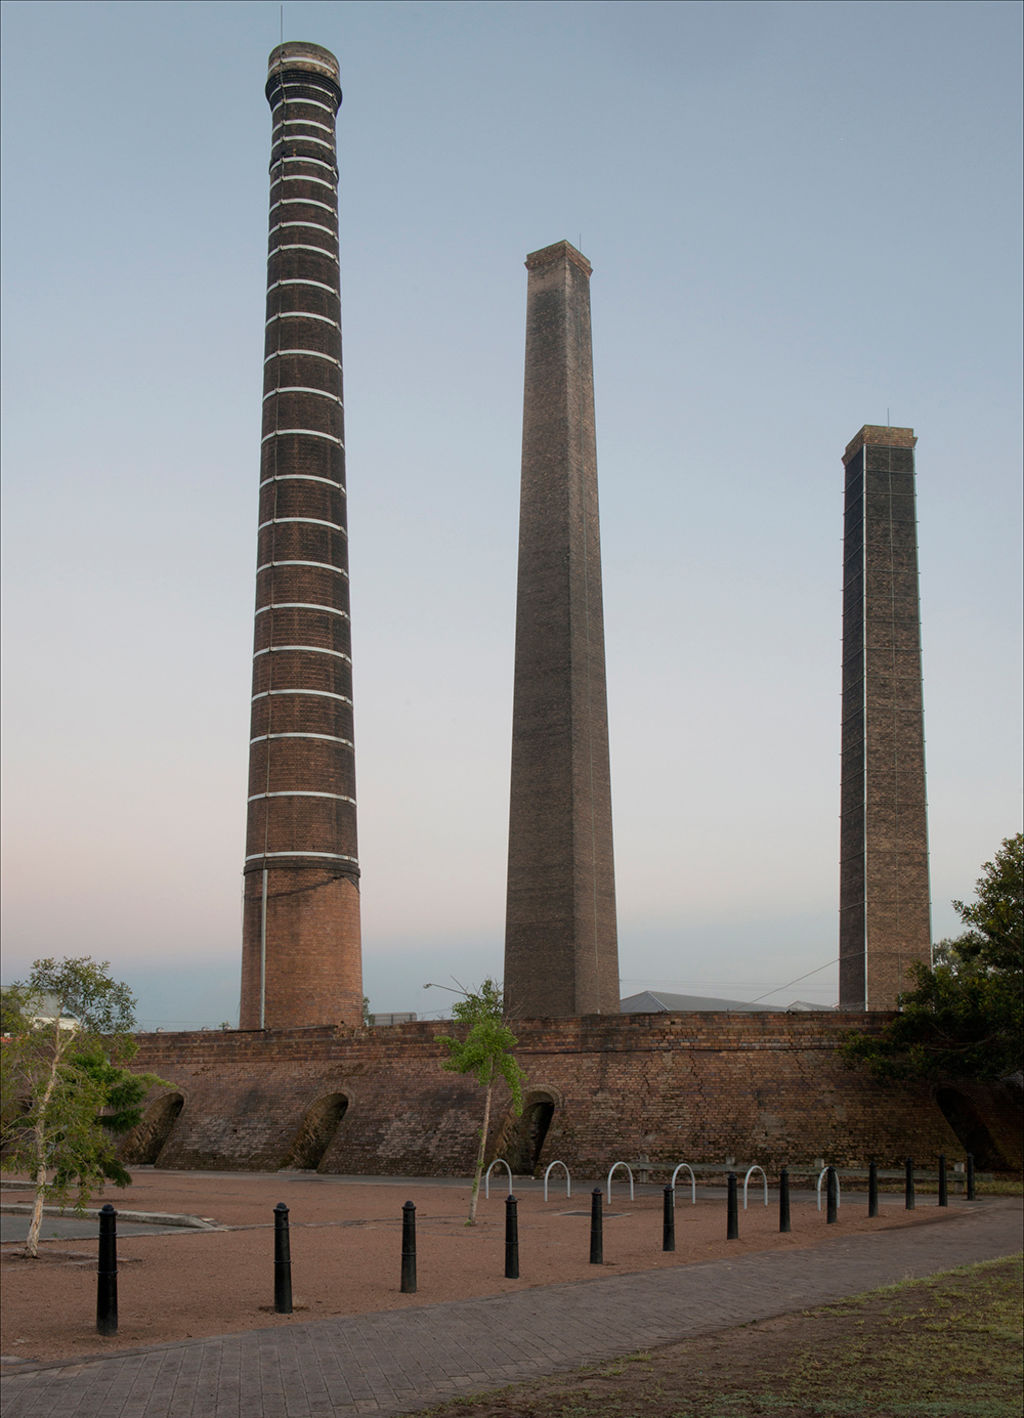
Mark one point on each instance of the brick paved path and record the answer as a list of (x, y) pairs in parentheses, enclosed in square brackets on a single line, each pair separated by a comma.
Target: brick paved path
[(399, 1361)]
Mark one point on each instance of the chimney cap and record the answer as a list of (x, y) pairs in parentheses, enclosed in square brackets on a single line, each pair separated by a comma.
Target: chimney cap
[(302, 54), (882, 434), (560, 251)]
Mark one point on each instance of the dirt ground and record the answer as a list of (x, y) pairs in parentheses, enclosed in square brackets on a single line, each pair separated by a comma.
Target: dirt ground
[(346, 1252), (946, 1347)]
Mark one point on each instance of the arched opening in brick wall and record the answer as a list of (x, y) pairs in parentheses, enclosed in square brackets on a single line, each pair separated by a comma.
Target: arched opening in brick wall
[(963, 1116), (318, 1130), (143, 1145), (527, 1134)]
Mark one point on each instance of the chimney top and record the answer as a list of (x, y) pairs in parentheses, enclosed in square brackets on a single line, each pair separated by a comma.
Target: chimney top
[(882, 434), (301, 54), (562, 250)]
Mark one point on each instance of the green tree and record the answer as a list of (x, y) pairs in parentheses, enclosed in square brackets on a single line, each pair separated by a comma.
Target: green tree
[(964, 1019), (486, 1052), (66, 1091), (994, 939), (11, 1003)]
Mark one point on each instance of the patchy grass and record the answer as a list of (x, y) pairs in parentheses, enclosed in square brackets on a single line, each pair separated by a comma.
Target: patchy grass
[(999, 1186), (946, 1347)]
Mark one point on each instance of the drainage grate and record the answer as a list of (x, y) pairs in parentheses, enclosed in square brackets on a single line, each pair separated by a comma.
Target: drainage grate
[(608, 1215)]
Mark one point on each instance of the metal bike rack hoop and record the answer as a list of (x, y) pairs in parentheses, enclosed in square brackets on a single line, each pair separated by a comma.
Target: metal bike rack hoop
[(487, 1176), (821, 1177), (629, 1171), (568, 1179), (746, 1179), (693, 1183)]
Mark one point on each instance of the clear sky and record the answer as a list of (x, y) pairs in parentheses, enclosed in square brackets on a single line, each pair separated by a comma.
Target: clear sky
[(802, 218)]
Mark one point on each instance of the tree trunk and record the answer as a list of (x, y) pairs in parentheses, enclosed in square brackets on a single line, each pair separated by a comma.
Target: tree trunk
[(41, 1129), (482, 1152), (34, 1226)]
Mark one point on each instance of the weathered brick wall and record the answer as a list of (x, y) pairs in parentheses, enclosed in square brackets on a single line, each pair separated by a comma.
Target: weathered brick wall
[(767, 1088)]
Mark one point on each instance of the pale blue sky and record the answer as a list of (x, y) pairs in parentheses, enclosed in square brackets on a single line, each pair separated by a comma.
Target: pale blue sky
[(802, 218)]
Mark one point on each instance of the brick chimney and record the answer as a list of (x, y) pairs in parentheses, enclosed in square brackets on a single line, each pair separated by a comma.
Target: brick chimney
[(301, 962), (884, 904), (561, 947)]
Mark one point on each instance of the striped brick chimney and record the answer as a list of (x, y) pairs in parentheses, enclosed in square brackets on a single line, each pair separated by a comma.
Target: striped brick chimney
[(301, 961)]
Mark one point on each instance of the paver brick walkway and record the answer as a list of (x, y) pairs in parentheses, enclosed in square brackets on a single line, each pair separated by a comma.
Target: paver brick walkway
[(398, 1361)]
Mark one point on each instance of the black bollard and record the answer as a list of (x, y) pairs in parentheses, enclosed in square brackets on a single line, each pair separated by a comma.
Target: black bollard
[(909, 1186), (831, 1197), (106, 1274), (596, 1238), (784, 1225), (511, 1238), (970, 1176), (872, 1189), (943, 1184), (282, 1262), (732, 1227), (409, 1248), (668, 1220)]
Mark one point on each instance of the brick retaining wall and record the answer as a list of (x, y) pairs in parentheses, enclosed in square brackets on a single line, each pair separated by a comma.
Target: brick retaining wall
[(768, 1088)]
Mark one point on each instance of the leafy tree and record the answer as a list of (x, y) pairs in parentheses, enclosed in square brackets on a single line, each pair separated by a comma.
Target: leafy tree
[(964, 1019), (486, 1052), (994, 940), (66, 1091), (11, 1005)]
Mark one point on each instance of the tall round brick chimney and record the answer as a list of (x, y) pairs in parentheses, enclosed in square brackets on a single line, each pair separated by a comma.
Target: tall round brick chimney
[(301, 961)]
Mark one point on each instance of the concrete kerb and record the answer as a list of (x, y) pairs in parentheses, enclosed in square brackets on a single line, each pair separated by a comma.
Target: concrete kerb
[(153, 1218)]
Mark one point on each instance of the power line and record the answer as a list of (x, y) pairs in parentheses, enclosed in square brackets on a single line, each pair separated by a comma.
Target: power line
[(727, 984), (818, 971)]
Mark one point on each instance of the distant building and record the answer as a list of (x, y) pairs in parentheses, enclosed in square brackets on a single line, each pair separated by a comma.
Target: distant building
[(42, 1010), (661, 1002)]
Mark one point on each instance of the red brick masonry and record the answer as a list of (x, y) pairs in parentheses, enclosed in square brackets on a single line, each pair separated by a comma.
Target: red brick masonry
[(765, 1088)]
